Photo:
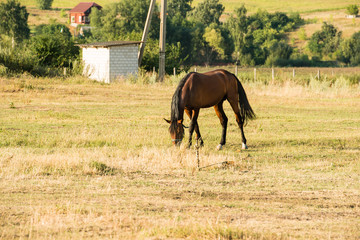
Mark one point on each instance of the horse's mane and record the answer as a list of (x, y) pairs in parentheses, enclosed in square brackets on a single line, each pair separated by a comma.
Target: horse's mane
[(175, 111)]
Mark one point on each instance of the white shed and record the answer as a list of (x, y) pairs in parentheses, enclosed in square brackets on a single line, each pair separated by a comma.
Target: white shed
[(107, 61)]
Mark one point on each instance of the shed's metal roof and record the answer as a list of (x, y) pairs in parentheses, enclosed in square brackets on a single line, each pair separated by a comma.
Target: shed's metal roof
[(108, 44)]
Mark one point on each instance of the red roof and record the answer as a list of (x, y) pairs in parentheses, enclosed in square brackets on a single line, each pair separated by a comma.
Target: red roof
[(84, 6)]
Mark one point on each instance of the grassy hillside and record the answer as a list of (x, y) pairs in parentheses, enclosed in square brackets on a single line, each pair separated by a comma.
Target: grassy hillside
[(80, 159), (286, 6), (273, 5), (315, 11)]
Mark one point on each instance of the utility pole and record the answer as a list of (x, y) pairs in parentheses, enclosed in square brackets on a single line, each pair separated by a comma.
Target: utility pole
[(162, 40), (146, 31)]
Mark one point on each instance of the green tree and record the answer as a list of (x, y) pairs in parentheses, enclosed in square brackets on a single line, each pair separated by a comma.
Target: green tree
[(237, 26), (218, 45), (13, 20), (207, 12), (254, 35), (44, 4), (326, 41), (215, 41), (179, 7), (122, 21), (349, 51), (179, 29)]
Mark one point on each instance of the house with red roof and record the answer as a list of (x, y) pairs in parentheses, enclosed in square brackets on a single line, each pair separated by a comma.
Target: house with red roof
[(80, 13)]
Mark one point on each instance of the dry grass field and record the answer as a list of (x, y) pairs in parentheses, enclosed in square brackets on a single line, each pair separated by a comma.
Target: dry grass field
[(80, 159)]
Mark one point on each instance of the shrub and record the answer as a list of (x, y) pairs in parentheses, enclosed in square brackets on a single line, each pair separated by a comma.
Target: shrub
[(3, 70), (63, 13), (302, 34), (279, 54), (54, 50), (44, 4), (101, 168), (18, 59), (51, 29), (352, 9), (299, 60)]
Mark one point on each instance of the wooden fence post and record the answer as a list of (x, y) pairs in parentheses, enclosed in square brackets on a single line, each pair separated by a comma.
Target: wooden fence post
[(255, 74), (273, 74), (174, 72), (236, 70)]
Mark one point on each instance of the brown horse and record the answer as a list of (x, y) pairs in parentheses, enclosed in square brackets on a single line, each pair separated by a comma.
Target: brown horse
[(205, 90)]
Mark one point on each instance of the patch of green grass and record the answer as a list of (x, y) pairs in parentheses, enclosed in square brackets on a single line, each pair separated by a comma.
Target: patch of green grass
[(102, 168)]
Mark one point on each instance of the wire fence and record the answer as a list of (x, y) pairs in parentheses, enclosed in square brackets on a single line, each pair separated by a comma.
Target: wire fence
[(300, 74)]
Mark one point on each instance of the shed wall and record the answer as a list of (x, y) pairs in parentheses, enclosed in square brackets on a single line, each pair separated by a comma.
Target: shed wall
[(123, 61), (96, 63), (107, 64)]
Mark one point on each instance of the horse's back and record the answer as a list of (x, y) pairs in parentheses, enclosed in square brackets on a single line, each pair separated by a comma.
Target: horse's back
[(207, 89)]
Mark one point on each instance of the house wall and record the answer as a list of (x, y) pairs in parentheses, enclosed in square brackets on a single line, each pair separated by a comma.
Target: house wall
[(96, 63), (75, 18), (123, 61)]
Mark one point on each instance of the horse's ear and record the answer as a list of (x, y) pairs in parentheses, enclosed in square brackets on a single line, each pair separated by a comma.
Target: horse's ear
[(168, 121)]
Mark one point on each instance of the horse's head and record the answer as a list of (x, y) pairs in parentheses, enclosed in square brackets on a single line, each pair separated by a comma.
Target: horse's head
[(176, 130)]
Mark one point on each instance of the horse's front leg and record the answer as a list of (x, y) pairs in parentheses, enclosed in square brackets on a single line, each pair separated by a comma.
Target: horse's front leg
[(198, 136), (194, 126)]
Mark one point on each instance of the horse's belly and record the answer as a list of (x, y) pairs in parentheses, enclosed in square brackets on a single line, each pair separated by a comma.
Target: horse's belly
[(205, 101)]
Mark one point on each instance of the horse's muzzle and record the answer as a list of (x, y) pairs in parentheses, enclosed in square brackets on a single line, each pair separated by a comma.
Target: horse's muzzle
[(176, 142)]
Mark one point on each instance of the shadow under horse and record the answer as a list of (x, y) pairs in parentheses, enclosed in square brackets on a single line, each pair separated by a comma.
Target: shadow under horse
[(204, 90)]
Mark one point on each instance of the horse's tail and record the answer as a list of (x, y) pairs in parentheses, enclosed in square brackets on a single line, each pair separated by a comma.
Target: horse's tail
[(246, 112)]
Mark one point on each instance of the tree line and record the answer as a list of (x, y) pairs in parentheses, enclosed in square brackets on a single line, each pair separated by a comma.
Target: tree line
[(195, 36)]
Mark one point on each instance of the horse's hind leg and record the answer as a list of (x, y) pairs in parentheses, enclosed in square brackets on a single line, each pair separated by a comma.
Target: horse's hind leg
[(193, 115), (235, 106), (223, 120)]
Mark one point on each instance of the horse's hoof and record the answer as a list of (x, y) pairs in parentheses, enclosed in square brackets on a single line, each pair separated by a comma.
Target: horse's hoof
[(200, 142), (244, 146), (219, 147)]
